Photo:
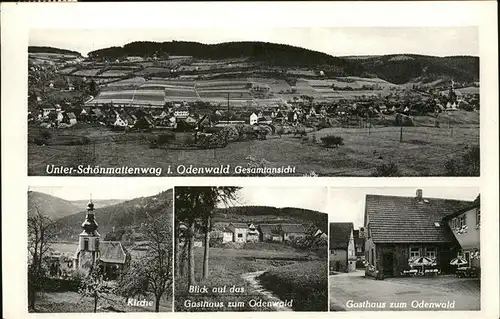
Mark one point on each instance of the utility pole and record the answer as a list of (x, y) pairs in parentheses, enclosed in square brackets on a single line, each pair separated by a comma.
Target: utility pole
[(401, 134)]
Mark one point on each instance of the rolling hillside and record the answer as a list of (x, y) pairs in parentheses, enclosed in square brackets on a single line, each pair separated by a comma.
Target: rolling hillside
[(51, 206), (397, 69), (82, 204), (126, 214), (44, 49), (272, 215)]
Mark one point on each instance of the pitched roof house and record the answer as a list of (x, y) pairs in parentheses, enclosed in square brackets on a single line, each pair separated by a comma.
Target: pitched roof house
[(401, 228), (342, 249)]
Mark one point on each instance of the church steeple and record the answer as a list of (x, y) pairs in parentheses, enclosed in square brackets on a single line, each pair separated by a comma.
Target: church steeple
[(90, 225)]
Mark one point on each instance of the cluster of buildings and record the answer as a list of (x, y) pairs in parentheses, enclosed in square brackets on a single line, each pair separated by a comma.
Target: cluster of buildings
[(399, 229), (248, 232)]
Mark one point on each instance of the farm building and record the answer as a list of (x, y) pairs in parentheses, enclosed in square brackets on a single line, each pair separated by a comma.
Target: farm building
[(465, 225), (222, 236), (342, 247), (270, 232), (291, 231), (398, 229)]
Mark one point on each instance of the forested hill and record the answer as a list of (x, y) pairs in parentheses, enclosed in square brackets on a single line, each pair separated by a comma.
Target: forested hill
[(405, 68), (42, 49), (50, 206), (268, 214), (131, 213), (270, 54), (398, 69)]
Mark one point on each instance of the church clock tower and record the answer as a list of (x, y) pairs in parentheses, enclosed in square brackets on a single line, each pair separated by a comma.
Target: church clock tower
[(88, 246)]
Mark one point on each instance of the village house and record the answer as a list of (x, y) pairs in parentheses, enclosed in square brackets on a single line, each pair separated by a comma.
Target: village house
[(181, 112), (116, 119), (342, 247), (398, 229), (69, 118), (253, 119), (359, 243), (239, 231), (465, 225)]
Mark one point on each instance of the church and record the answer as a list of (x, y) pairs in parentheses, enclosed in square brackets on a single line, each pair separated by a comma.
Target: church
[(113, 257)]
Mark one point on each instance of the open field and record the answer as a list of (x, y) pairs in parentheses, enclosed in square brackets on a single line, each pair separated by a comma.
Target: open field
[(464, 292), (422, 152), (227, 268)]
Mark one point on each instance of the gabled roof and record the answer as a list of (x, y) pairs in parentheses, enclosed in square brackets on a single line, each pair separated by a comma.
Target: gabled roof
[(272, 229), (112, 252), (71, 115), (239, 225), (340, 234), (293, 228), (397, 219)]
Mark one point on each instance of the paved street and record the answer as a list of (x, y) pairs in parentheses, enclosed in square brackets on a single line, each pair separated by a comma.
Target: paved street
[(352, 291)]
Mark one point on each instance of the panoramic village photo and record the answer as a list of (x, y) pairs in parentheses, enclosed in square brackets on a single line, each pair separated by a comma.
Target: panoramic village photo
[(92, 249), (404, 249), (250, 249), (228, 102)]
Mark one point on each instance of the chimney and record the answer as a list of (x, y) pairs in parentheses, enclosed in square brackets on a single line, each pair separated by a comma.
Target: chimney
[(419, 195)]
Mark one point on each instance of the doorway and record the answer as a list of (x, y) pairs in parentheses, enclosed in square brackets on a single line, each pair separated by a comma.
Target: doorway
[(387, 264)]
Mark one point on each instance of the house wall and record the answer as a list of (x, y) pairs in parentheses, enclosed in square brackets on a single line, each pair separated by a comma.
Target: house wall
[(227, 237), (338, 260), (469, 239), (351, 254), (239, 235), (401, 254)]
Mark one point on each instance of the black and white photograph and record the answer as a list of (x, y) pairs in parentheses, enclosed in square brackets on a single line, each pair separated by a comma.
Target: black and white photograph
[(96, 249), (405, 249), (251, 249), (311, 101)]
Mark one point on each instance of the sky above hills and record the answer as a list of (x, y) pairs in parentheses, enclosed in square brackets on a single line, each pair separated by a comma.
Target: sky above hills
[(116, 190), (437, 41)]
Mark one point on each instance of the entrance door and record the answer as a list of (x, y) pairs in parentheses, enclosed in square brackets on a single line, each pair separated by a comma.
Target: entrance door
[(388, 264)]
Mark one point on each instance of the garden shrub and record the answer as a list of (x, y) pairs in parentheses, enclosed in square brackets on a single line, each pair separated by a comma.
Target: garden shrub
[(387, 170), (332, 141)]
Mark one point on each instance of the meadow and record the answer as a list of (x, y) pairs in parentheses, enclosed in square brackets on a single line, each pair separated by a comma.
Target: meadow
[(306, 285), (423, 150), (227, 268)]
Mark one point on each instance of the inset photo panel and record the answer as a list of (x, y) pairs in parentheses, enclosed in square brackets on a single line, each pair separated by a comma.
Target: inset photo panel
[(100, 249), (399, 249), (251, 249)]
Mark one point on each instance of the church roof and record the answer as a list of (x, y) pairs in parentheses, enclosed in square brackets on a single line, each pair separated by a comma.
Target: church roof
[(112, 252)]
